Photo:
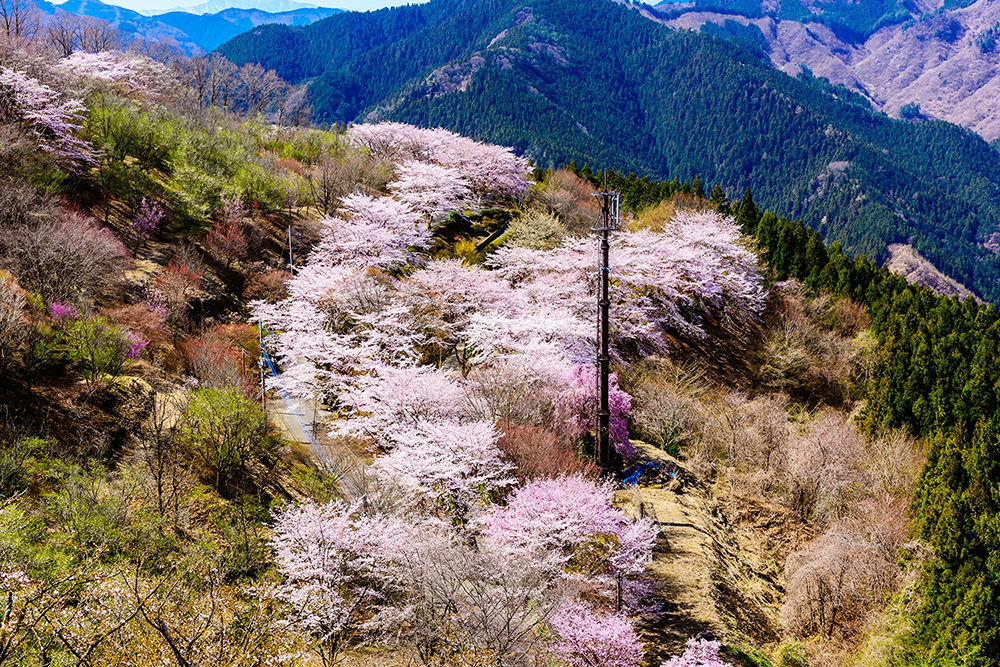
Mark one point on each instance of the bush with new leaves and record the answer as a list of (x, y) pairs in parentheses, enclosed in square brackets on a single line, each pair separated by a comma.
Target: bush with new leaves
[(227, 433), (536, 230)]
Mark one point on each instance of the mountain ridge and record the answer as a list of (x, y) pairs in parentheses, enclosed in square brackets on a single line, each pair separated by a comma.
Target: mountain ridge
[(938, 63), (598, 82), (192, 32)]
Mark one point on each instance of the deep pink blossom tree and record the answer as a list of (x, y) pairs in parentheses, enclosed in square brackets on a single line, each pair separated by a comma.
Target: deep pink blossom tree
[(577, 405), (145, 221)]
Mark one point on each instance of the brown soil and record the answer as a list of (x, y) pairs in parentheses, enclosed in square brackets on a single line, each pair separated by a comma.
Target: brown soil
[(717, 564)]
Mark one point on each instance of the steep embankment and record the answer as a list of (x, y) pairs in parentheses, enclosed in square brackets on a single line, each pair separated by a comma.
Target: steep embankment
[(713, 577)]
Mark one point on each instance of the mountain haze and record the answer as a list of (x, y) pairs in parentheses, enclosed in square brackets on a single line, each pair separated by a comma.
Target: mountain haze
[(191, 31)]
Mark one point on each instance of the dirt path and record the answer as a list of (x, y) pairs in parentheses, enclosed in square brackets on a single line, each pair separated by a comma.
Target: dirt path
[(713, 578)]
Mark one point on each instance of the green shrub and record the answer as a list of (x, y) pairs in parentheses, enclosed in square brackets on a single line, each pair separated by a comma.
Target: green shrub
[(790, 654), (244, 537), (536, 230), (98, 348), (227, 433)]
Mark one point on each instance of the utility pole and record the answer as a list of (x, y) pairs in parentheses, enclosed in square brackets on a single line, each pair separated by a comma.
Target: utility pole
[(610, 221)]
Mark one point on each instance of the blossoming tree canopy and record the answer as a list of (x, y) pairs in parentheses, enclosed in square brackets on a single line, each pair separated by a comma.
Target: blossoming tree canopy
[(128, 73), (486, 169), (560, 515), (429, 360), (52, 119)]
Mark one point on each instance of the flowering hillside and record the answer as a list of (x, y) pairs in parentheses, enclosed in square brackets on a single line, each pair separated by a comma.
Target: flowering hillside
[(428, 359), (436, 298)]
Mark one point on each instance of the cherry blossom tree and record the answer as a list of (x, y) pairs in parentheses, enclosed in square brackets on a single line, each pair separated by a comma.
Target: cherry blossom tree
[(450, 461), (50, 118), (124, 72), (560, 515), (342, 574), (587, 638), (699, 653), (430, 189), (487, 169), (578, 406)]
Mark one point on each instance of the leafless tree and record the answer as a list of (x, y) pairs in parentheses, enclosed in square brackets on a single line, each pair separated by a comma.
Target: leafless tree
[(338, 173), (65, 257), (97, 35), (221, 82), (14, 324), (63, 32), (844, 572), (159, 447), (474, 601), (257, 89), (19, 22)]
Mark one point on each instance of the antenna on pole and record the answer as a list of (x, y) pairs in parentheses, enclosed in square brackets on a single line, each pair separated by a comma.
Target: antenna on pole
[(610, 221)]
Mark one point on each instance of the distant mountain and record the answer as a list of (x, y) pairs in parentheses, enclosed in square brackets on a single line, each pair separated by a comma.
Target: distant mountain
[(597, 81), (192, 32), (217, 6), (927, 59)]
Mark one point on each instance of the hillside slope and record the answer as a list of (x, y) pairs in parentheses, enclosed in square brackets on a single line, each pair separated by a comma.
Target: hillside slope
[(598, 82), (945, 60)]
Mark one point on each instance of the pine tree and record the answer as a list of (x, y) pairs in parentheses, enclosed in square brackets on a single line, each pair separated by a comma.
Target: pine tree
[(720, 200), (747, 215)]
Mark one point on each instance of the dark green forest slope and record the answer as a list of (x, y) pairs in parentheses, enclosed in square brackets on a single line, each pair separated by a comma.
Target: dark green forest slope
[(851, 20), (597, 82)]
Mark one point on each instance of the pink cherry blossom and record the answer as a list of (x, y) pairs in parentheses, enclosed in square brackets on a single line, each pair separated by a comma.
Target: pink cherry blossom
[(557, 515), (699, 653), (430, 189), (128, 73), (52, 119), (588, 638)]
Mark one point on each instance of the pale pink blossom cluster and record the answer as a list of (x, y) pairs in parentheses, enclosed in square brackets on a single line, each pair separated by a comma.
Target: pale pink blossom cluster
[(699, 653), (341, 574), (128, 73), (423, 357), (558, 516), (353, 574), (590, 638), (52, 119), (484, 168)]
